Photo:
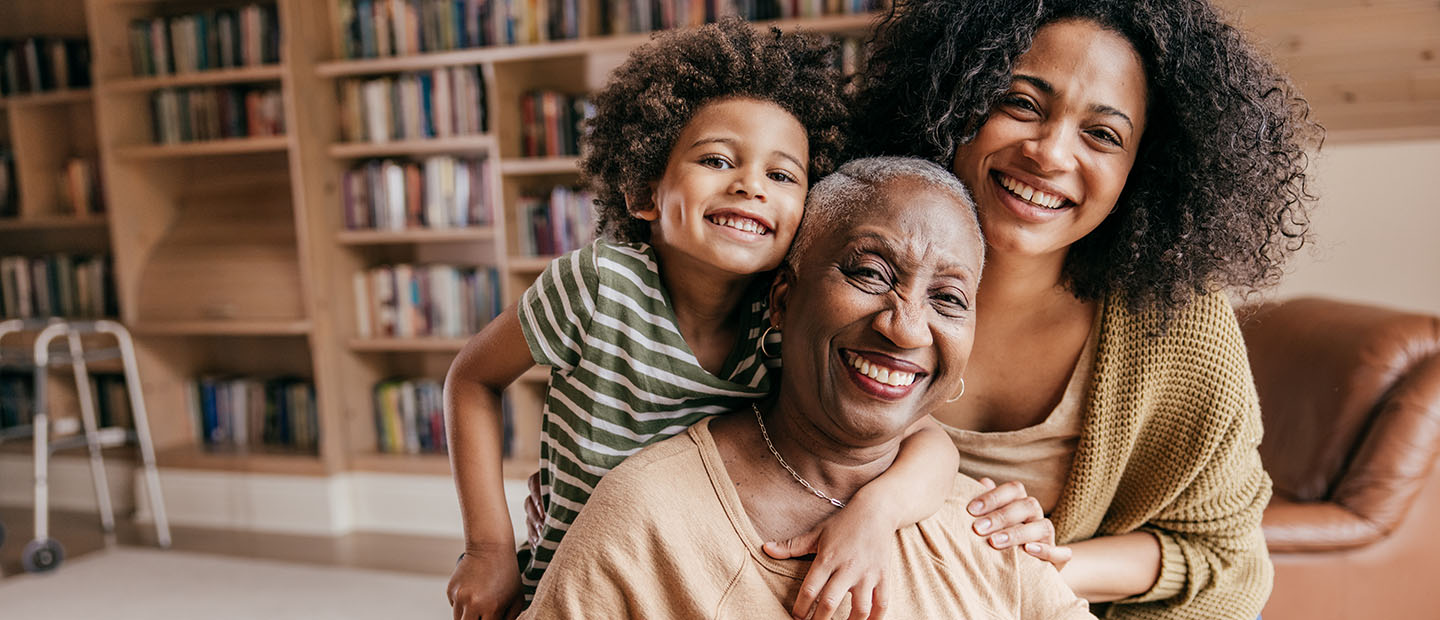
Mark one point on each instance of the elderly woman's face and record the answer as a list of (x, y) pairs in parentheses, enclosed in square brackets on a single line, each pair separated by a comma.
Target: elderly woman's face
[(1051, 160), (879, 317)]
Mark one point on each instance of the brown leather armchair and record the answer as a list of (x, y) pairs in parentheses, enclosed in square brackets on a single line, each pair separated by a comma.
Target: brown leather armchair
[(1350, 395)]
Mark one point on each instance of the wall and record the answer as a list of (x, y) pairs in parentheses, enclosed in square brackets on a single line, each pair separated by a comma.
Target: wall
[(1377, 227)]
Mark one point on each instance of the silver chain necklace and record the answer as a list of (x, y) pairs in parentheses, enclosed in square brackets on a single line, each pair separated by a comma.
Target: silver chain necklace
[(766, 434)]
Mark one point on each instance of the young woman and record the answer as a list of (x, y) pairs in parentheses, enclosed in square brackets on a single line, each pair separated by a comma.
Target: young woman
[(1130, 161)]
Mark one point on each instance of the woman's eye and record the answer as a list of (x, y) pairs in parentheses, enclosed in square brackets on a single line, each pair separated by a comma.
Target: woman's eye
[(1105, 135), (869, 277), (718, 163), (1020, 103), (950, 304)]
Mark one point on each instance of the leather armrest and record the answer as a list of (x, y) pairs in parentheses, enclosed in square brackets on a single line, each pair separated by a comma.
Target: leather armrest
[(1315, 526)]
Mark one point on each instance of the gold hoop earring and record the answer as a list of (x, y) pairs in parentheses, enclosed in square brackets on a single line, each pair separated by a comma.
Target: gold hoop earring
[(962, 391), (765, 339)]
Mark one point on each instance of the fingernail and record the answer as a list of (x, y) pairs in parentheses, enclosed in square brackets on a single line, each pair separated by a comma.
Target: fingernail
[(1001, 539), (983, 526), (975, 507), (1032, 547)]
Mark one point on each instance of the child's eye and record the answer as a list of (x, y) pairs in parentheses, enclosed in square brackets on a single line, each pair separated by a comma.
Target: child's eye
[(780, 176), (716, 162)]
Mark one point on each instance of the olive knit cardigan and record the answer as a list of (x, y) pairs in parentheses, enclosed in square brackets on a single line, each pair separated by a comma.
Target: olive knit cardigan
[(1169, 446)]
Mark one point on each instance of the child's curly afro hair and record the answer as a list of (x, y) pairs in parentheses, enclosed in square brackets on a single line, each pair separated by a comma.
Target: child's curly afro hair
[(650, 98)]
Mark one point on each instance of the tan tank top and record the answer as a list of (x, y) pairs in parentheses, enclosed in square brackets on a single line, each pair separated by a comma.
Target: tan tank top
[(1038, 456)]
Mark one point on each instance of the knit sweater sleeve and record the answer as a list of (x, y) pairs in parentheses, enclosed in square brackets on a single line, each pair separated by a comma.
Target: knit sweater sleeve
[(1206, 426)]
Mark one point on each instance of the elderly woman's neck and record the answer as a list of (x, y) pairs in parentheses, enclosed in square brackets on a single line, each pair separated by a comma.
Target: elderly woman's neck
[(837, 467)]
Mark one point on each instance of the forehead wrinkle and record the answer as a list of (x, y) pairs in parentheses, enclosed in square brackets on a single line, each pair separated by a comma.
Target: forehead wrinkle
[(909, 254)]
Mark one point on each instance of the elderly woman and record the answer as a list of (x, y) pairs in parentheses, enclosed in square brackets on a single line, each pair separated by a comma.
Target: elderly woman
[(876, 302), (1130, 160)]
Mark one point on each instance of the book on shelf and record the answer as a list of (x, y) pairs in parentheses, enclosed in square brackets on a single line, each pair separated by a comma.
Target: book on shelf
[(409, 416), (244, 412), (80, 191), (40, 64), (551, 123), (9, 196), (425, 301), (557, 223), (383, 28), (246, 36), (197, 114), (438, 192), (58, 285), (17, 397), (441, 103)]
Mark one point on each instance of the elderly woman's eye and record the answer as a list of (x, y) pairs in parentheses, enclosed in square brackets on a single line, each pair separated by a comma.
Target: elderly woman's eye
[(950, 303), (868, 276)]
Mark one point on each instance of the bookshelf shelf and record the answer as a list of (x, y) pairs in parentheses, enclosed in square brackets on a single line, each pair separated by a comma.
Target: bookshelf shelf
[(242, 75), (530, 264), (556, 49), (53, 222), (222, 328), (417, 345), (235, 146), (256, 460), (58, 97), (436, 146), (530, 166), (449, 235)]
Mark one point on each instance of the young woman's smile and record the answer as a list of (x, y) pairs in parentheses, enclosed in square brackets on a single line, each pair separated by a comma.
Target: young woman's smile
[(1051, 160)]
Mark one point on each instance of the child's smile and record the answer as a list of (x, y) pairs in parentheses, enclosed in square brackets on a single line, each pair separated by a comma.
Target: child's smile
[(733, 190)]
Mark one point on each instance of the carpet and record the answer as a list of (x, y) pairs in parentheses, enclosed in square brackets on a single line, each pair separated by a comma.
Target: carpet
[(145, 584)]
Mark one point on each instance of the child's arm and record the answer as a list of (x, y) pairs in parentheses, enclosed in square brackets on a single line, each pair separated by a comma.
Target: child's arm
[(486, 581), (852, 548)]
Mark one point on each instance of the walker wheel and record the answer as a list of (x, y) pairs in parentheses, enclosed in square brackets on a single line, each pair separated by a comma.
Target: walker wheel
[(42, 555)]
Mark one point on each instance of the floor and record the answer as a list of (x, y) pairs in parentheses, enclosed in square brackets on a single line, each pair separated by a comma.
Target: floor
[(80, 534)]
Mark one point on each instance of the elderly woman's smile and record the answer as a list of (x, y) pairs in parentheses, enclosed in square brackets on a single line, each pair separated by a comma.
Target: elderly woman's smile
[(890, 313)]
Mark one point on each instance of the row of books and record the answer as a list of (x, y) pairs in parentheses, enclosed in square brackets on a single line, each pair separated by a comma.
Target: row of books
[(381, 28), (555, 224), (63, 285), (192, 114), (80, 189), (425, 301), (244, 412), (9, 189), (437, 192), (17, 399), (410, 416), (551, 123), (238, 37), (445, 102), (39, 64)]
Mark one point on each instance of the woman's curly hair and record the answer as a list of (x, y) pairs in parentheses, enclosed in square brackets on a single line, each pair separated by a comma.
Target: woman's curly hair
[(650, 98), (1218, 195)]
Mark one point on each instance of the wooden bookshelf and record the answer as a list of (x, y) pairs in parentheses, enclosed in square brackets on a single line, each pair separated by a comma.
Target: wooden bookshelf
[(221, 327), (530, 166), (479, 234), (213, 77), (425, 345), (58, 97), (435, 146), (53, 223), (233, 146)]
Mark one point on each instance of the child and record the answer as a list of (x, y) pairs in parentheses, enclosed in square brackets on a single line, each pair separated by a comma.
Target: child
[(701, 152)]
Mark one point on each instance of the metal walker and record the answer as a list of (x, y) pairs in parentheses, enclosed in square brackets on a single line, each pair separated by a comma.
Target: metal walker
[(45, 553)]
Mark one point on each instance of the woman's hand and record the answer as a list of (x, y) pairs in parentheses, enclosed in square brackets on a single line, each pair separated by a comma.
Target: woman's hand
[(486, 584), (852, 550), (1007, 516), (534, 517)]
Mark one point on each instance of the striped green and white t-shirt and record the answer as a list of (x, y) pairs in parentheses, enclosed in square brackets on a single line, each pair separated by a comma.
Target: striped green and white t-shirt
[(621, 377)]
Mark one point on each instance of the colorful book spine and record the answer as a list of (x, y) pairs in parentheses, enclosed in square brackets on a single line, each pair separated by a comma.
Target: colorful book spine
[(556, 223), (226, 38), (409, 416), (56, 285), (241, 413), (437, 192), (425, 301), (445, 102)]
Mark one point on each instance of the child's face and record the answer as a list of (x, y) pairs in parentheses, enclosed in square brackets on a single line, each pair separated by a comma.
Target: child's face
[(733, 190)]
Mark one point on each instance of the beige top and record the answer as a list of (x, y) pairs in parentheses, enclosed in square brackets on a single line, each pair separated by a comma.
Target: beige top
[(665, 536), (1038, 456)]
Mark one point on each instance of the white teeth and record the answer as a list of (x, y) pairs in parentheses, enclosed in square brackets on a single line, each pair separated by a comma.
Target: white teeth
[(1030, 194), (740, 223), (894, 378)]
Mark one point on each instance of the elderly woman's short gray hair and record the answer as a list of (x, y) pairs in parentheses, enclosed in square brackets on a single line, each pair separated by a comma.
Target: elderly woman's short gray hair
[(837, 198)]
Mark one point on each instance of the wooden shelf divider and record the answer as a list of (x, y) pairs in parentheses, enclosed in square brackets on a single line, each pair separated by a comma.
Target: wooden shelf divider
[(435, 146), (478, 234), (213, 77), (232, 146)]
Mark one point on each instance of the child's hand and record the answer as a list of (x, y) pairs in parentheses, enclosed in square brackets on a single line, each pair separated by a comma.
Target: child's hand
[(486, 585), (1007, 516), (852, 550)]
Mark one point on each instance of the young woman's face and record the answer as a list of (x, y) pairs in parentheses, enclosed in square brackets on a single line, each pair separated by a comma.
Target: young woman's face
[(1050, 162), (733, 190), (879, 316)]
